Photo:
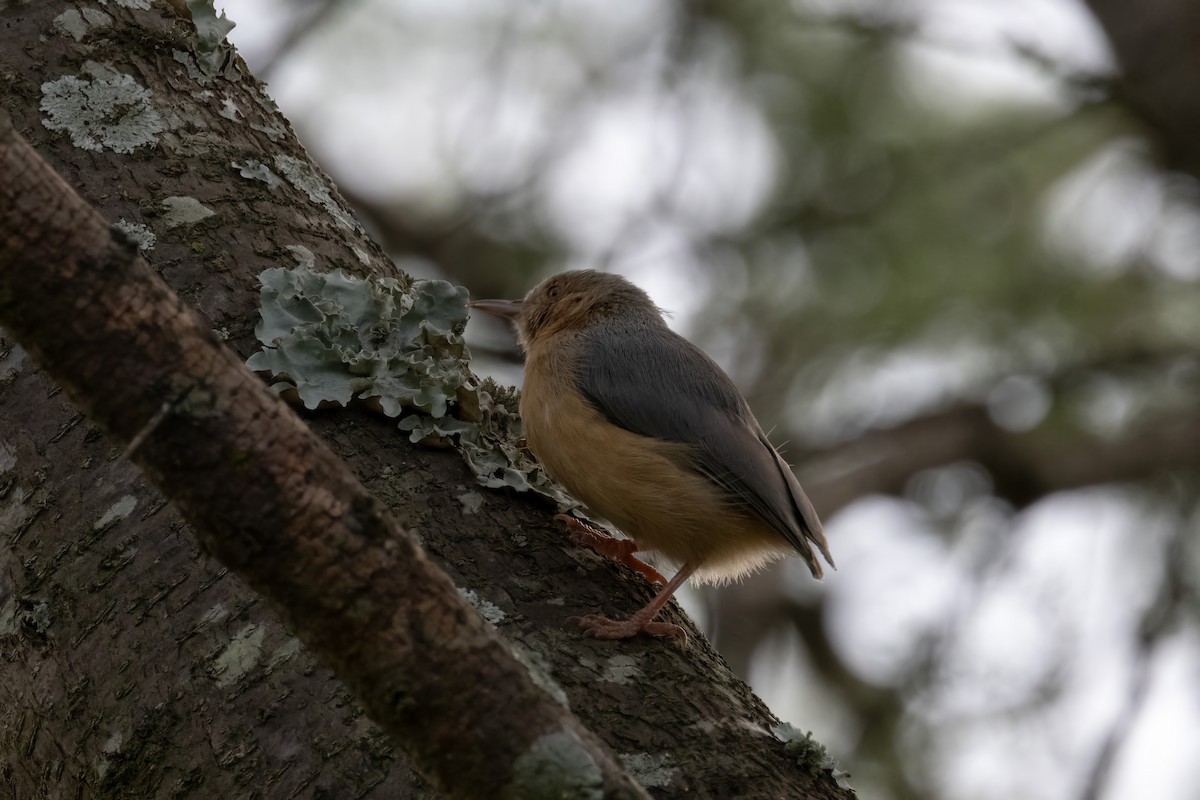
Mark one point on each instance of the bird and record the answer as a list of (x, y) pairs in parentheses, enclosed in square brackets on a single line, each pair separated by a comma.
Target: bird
[(649, 433)]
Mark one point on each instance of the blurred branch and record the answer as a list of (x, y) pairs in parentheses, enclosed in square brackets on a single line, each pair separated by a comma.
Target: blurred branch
[(1024, 466), (879, 708), (1158, 622), (307, 22), (882, 28), (1157, 43), (459, 247)]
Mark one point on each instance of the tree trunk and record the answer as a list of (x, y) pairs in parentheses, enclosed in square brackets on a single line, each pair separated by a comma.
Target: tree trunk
[(133, 665), (273, 503)]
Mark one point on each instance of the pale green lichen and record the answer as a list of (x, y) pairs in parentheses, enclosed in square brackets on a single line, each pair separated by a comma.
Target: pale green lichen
[(557, 766), (111, 747), (650, 771), (16, 509), (304, 256), (840, 777), (471, 501), (111, 112), (8, 459), (212, 54), (76, 23), (540, 672), (496, 451), (486, 608), (71, 23), (116, 512), (808, 752), (137, 233), (301, 175), (255, 170), (213, 615), (332, 339), (8, 618), (184, 211), (12, 358), (211, 27), (34, 616), (273, 132), (284, 653), (621, 669), (229, 109), (239, 656)]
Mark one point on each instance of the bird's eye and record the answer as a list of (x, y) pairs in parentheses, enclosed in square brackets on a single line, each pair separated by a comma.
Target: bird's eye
[(552, 292)]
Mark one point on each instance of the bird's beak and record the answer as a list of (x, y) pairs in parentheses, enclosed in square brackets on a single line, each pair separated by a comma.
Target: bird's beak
[(509, 309)]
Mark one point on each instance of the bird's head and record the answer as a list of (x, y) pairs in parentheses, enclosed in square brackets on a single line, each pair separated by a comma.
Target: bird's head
[(572, 301)]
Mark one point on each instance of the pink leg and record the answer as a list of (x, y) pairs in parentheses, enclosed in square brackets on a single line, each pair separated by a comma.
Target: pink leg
[(643, 621), (619, 549)]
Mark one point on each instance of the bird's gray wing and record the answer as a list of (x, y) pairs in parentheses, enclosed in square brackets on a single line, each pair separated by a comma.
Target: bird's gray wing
[(653, 382)]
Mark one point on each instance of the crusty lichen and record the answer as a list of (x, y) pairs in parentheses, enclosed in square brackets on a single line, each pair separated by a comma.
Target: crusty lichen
[(650, 771), (621, 669), (558, 765), (486, 608), (116, 512), (540, 672), (397, 346), (255, 170), (240, 656), (810, 754), (110, 111), (184, 211), (76, 23), (136, 233), (300, 173), (211, 53)]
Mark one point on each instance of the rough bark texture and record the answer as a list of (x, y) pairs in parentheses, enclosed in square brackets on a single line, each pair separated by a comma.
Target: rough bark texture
[(131, 665), (273, 503)]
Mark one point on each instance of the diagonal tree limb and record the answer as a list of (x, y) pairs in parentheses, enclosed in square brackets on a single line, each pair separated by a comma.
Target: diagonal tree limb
[(275, 505)]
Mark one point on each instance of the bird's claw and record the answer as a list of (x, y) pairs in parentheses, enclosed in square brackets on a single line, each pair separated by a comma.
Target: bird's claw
[(598, 626), (618, 549)]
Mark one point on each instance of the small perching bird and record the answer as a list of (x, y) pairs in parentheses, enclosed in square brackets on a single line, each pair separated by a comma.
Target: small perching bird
[(649, 433)]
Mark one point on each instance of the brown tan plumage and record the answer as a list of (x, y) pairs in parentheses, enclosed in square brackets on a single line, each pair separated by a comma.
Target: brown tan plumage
[(648, 432)]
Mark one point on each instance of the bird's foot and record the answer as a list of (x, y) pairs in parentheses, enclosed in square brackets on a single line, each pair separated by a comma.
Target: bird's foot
[(601, 627), (619, 549)]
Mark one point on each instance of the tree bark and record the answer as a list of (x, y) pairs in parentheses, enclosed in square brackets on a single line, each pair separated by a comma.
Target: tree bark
[(275, 505), (133, 665)]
